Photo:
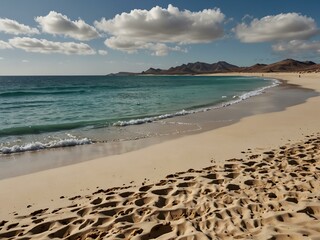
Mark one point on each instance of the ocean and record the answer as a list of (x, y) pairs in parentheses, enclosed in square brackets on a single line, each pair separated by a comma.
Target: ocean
[(40, 112)]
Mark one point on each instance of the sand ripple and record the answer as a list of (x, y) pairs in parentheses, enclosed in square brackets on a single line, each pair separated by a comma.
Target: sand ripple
[(269, 195)]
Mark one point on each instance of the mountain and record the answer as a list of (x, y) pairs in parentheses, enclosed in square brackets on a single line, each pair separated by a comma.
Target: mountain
[(121, 74), (152, 71), (254, 68), (287, 65), (312, 68), (195, 68)]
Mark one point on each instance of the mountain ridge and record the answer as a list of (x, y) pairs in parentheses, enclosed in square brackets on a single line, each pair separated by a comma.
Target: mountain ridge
[(195, 68), (286, 65)]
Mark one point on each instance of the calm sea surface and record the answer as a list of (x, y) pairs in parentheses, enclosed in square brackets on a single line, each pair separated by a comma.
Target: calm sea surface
[(41, 112)]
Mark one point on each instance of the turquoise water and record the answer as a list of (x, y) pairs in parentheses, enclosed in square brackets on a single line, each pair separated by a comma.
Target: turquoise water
[(41, 111)]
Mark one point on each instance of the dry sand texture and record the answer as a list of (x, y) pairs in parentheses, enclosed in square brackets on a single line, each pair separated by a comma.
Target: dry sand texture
[(268, 195)]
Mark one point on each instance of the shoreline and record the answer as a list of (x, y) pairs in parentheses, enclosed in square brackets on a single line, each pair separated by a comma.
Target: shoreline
[(262, 132), (270, 99), (75, 137)]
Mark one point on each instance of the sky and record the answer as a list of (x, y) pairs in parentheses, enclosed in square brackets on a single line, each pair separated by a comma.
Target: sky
[(97, 37)]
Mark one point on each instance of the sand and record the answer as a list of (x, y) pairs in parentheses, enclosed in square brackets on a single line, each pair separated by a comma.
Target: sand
[(255, 179)]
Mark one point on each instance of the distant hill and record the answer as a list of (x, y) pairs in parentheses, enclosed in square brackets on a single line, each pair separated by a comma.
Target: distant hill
[(153, 71), (123, 74), (254, 68), (287, 65), (195, 68), (313, 68)]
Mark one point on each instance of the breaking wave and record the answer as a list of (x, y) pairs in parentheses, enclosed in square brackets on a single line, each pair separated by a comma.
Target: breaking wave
[(34, 146)]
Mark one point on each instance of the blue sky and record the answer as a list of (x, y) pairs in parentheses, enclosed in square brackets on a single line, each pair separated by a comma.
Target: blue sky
[(45, 37)]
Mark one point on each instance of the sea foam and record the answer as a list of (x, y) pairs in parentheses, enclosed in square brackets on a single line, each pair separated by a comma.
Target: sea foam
[(34, 146), (157, 118)]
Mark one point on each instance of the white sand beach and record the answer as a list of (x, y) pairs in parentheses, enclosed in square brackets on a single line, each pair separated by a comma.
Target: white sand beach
[(255, 179)]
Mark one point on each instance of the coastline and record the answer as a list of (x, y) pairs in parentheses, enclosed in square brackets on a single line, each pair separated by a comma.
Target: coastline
[(35, 137), (271, 98), (261, 132)]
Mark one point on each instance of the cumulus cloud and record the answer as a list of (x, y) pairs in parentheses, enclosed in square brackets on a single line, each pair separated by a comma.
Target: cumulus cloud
[(4, 45), (297, 46), (13, 27), (130, 46), (56, 23), (44, 46), (160, 49), (152, 29), (102, 52), (124, 44), (289, 26)]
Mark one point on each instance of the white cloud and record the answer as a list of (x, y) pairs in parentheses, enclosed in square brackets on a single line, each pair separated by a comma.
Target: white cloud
[(13, 27), (160, 49), (129, 46), (140, 28), (25, 61), (56, 23), (297, 46), (289, 26), (247, 16), (124, 44), (4, 45), (1, 58), (103, 52), (44, 46)]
